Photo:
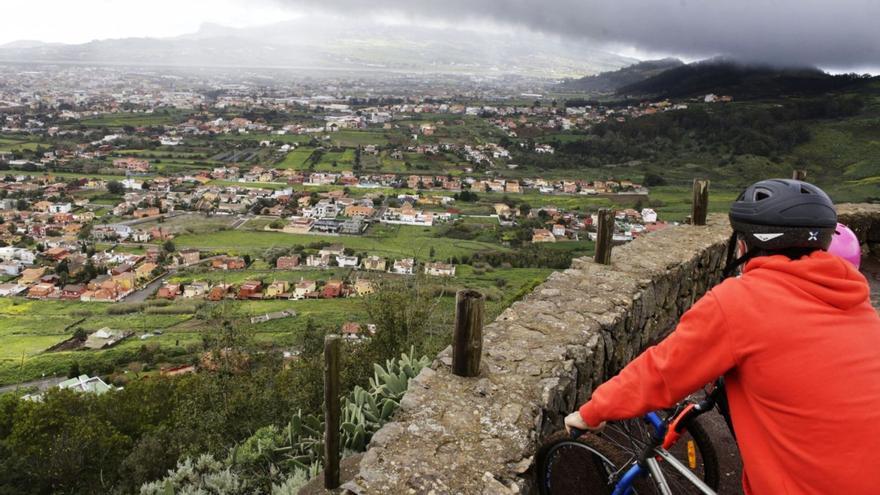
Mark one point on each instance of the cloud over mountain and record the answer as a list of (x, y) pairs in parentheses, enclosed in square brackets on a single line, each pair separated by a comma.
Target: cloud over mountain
[(839, 34)]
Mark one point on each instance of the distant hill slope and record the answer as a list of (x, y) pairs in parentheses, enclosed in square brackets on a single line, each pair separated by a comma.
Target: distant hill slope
[(723, 76), (608, 82), (334, 44)]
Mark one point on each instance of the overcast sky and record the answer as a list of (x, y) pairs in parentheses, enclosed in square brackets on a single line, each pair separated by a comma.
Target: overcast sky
[(833, 34)]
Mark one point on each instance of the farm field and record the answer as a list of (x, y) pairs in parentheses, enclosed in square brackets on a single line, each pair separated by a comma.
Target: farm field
[(401, 241)]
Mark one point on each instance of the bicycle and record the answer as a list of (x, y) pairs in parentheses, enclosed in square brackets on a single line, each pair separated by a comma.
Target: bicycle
[(653, 454)]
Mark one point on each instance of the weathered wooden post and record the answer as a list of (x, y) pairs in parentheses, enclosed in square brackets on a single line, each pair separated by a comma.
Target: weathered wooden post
[(604, 236), (467, 338), (701, 202), (332, 411), (799, 174)]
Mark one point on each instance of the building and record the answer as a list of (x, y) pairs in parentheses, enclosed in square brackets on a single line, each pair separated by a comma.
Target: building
[(558, 230), (189, 256), (228, 263), (41, 291), (287, 262), (440, 269), (85, 383), (219, 292), (251, 289), (404, 266), (542, 235), (132, 164), (333, 289), (318, 261), (303, 288), (363, 287), (31, 275), (145, 271), (374, 263), (347, 261), (649, 215), (196, 289), (168, 291), (276, 289), (104, 338), (359, 211)]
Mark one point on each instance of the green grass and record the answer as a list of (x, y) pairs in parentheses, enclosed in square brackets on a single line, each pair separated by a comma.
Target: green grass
[(296, 159), (135, 119), (401, 241), (354, 138)]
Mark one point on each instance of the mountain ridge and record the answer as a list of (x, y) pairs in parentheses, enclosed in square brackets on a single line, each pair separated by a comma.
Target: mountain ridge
[(338, 44)]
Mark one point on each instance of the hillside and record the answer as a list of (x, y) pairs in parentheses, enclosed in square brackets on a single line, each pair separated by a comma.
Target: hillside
[(723, 76), (608, 82), (338, 45)]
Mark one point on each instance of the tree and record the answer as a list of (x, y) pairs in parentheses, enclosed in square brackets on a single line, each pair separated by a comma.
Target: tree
[(652, 179), (404, 312), (168, 246), (115, 187), (74, 370)]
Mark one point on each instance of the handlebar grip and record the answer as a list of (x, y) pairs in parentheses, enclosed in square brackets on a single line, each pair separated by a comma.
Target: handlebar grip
[(576, 433)]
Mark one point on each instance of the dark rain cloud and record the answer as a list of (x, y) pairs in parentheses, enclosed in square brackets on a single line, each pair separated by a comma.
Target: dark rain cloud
[(829, 33)]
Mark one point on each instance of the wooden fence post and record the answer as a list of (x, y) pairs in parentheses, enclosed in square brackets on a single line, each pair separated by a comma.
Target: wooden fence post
[(467, 338), (332, 411), (701, 202), (799, 174), (604, 236)]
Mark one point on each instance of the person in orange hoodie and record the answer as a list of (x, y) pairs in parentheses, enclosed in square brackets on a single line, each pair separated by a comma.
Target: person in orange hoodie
[(798, 344)]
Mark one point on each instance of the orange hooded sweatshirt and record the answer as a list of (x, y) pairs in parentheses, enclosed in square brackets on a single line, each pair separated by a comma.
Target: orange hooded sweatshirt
[(799, 345)]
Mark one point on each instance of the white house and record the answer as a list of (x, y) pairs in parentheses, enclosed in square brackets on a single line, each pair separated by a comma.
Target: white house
[(440, 269), (60, 208), (347, 261), (649, 215), (404, 266)]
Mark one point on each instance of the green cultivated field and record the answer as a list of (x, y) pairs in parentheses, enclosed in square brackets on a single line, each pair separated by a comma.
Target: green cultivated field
[(401, 241), (296, 159)]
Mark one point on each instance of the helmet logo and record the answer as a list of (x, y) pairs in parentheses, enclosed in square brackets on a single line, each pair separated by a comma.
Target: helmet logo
[(767, 237), (814, 236)]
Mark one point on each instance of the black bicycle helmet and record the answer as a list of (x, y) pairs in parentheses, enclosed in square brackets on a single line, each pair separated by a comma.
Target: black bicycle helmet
[(780, 214)]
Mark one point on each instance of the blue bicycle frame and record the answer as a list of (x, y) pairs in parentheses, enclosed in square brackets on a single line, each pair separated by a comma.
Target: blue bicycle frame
[(624, 486)]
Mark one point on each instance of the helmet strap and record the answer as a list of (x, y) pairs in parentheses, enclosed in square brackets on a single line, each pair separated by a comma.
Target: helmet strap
[(732, 262)]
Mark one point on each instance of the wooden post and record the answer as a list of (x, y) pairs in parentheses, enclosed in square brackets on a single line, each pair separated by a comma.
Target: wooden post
[(799, 174), (604, 236), (467, 338), (701, 202), (332, 411)]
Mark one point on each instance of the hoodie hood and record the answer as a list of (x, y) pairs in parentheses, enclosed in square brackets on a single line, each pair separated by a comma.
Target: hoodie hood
[(823, 275)]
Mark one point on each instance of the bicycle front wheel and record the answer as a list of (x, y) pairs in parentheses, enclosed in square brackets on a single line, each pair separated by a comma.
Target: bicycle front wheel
[(587, 465), (694, 449)]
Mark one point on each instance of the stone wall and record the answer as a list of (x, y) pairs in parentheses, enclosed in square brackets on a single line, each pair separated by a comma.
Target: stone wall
[(542, 358), (864, 220)]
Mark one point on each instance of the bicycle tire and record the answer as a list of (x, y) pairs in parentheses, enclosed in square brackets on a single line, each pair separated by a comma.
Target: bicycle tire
[(705, 464), (583, 465)]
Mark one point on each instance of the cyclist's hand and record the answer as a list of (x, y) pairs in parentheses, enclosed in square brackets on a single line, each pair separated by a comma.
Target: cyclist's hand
[(574, 420)]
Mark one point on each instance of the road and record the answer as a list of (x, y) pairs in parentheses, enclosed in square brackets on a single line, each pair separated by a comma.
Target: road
[(143, 294), (41, 385)]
